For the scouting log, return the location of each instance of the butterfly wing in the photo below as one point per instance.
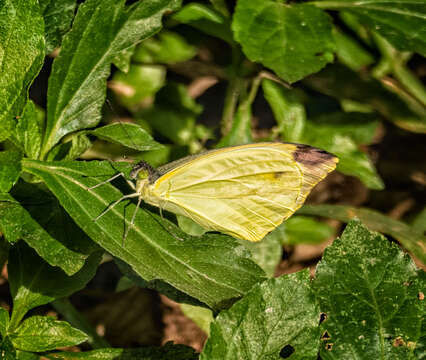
(245, 191)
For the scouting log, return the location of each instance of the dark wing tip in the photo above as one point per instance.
(311, 156)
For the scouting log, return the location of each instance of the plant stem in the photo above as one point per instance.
(75, 318)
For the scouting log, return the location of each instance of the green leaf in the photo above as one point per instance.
(294, 40)
(21, 56)
(10, 169)
(401, 22)
(42, 333)
(58, 244)
(419, 223)
(277, 317)
(7, 350)
(206, 19)
(368, 289)
(168, 351)
(33, 282)
(266, 253)
(305, 230)
(102, 29)
(4, 321)
(288, 110)
(350, 52)
(341, 133)
(411, 239)
(174, 114)
(24, 355)
(130, 135)
(213, 269)
(138, 84)
(367, 91)
(123, 60)
(74, 146)
(201, 316)
(57, 15)
(167, 48)
(28, 129)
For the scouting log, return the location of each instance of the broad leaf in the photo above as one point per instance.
(367, 91)
(58, 245)
(102, 29)
(10, 169)
(341, 134)
(140, 83)
(130, 135)
(400, 21)
(267, 252)
(168, 351)
(28, 130)
(206, 19)
(288, 110)
(33, 282)
(21, 57)
(57, 15)
(294, 40)
(200, 315)
(42, 333)
(166, 48)
(277, 317)
(306, 230)
(4, 321)
(213, 269)
(410, 238)
(368, 289)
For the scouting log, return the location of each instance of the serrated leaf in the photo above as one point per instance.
(280, 313)
(57, 15)
(206, 19)
(401, 22)
(166, 48)
(213, 269)
(368, 290)
(288, 110)
(294, 40)
(411, 239)
(42, 333)
(168, 351)
(102, 29)
(17, 223)
(138, 84)
(33, 282)
(28, 129)
(367, 91)
(130, 135)
(10, 169)
(21, 57)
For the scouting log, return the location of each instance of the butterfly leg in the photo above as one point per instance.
(114, 204)
(132, 221)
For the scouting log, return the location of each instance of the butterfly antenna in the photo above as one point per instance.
(132, 221)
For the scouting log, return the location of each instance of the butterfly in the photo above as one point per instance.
(244, 191)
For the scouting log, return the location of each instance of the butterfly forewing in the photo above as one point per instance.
(245, 191)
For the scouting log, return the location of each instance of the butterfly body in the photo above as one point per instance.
(245, 191)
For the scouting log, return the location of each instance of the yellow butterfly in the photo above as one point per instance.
(245, 191)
